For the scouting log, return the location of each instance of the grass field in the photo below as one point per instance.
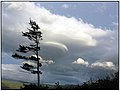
(6, 84)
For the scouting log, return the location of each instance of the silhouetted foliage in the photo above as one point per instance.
(106, 84)
(27, 66)
(58, 86)
(34, 35)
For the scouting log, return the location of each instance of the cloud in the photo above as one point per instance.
(64, 40)
(62, 73)
(42, 61)
(56, 25)
(101, 64)
(16, 73)
(65, 6)
(115, 24)
(108, 65)
(53, 50)
(81, 61)
(60, 45)
(50, 61)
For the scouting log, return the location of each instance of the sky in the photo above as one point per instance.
(80, 40)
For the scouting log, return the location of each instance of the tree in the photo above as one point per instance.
(34, 35)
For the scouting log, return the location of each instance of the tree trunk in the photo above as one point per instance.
(38, 66)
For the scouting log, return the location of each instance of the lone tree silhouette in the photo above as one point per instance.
(34, 35)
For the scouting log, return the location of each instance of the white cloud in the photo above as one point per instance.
(43, 61)
(68, 33)
(50, 23)
(64, 47)
(65, 6)
(115, 23)
(81, 61)
(105, 64)
(108, 65)
(49, 61)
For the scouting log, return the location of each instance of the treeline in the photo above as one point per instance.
(100, 84)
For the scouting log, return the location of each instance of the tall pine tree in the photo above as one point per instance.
(34, 35)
